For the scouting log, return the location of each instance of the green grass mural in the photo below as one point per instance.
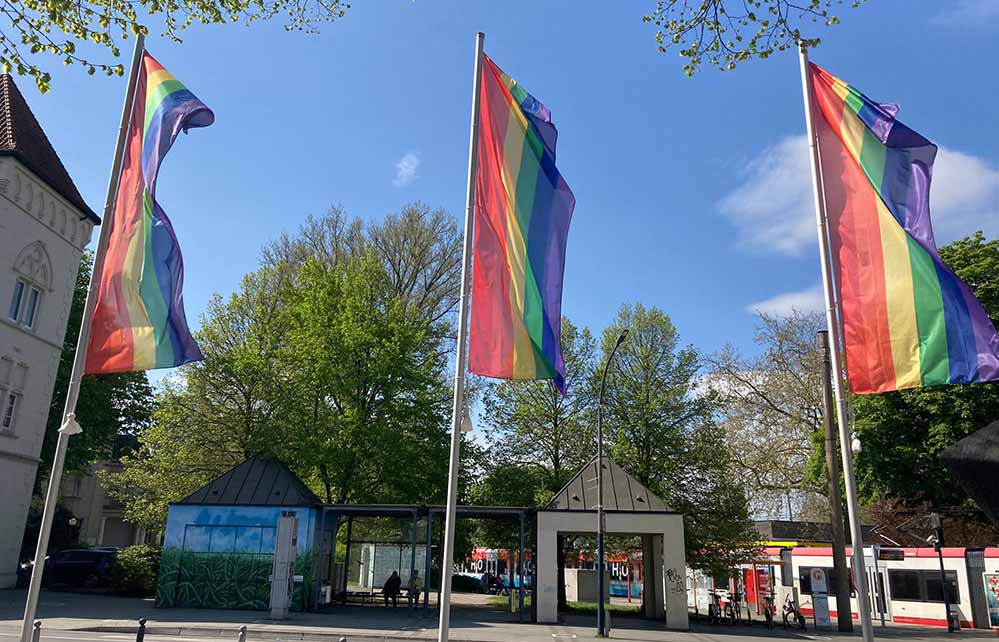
(222, 557)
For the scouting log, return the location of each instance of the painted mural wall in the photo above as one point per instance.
(221, 557)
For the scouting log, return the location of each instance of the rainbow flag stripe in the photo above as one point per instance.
(908, 320)
(139, 321)
(522, 212)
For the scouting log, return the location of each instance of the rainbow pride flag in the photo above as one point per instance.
(908, 320)
(139, 321)
(522, 212)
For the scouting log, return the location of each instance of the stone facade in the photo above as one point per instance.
(99, 516)
(42, 236)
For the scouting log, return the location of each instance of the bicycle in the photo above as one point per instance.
(791, 611)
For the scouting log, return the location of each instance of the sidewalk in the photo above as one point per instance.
(63, 611)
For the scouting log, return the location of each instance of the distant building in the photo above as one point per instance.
(98, 514)
(44, 226)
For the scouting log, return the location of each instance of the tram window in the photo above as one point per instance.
(805, 580)
(933, 592)
(905, 585)
(922, 586)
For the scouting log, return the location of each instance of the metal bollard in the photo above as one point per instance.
(36, 632)
(141, 633)
(242, 633)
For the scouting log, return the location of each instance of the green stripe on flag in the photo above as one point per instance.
(934, 360)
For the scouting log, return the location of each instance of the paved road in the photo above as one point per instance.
(69, 617)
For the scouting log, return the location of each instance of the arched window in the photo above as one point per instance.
(33, 278)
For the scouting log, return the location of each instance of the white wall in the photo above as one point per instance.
(41, 239)
(666, 560)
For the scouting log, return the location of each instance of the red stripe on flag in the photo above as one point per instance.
(855, 236)
(111, 342)
(491, 335)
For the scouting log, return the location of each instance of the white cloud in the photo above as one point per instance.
(773, 211)
(967, 13)
(405, 169)
(807, 300)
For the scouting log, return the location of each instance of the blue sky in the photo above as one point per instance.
(692, 193)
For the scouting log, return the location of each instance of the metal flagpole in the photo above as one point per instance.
(459, 364)
(852, 504)
(69, 425)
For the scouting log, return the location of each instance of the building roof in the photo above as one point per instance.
(622, 492)
(974, 462)
(258, 481)
(23, 138)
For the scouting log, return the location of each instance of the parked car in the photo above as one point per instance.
(86, 567)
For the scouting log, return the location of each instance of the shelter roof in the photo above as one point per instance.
(974, 461)
(622, 492)
(258, 481)
(23, 138)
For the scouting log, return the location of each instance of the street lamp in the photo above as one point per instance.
(601, 616)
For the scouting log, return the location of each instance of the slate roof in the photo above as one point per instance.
(622, 492)
(23, 138)
(258, 481)
(974, 461)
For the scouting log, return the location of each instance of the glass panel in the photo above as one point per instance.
(197, 538)
(248, 539)
(15, 301)
(8, 412)
(933, 592)
(29, 313)
(805, 579)
(223, 539)
(266, 540)
(905, 585)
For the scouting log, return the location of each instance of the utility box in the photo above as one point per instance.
(283, 572)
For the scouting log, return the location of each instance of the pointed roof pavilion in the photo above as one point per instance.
(258, 481)
(622, 492)
(23, 138)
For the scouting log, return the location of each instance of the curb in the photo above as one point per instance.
(266, 634)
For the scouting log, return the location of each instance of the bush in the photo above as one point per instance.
(135, 571)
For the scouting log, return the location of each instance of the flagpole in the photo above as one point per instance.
(69, 426)
(832, 321)
(457, 408)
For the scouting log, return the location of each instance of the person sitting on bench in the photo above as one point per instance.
(391, 588)
(415, 586)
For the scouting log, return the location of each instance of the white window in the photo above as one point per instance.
(9, 411)
(24, 302)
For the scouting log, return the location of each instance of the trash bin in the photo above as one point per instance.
(955, 619)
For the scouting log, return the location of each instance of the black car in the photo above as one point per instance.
(86, 567)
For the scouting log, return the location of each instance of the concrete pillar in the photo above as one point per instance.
(674, 563)
(546, 572)
(652, 593)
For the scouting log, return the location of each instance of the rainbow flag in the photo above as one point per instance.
(908, 320)
(522, 212)
(139, 321)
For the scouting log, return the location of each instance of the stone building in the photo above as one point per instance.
(44, 226)
(98, 515)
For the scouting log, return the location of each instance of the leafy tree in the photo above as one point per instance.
(770, 408)
(60, 28)
(662, 431)
(529, 424)
(727, 32)
(109, 405)
(324, 358)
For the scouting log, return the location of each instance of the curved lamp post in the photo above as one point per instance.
(601, 615)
